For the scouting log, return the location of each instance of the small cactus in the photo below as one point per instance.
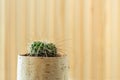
(42, 49)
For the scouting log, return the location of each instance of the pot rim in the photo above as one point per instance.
(23, 55)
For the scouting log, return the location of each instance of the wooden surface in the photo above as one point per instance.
(87, 30)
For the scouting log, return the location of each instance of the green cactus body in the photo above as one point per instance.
(42, 49)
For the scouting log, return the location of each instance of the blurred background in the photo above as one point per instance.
(87, 30)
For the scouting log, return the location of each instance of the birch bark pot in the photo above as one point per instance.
(42, 68)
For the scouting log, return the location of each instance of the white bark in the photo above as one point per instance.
(42, 68)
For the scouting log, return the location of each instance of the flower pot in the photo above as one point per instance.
(42, 68)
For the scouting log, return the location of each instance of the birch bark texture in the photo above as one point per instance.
(42, 68)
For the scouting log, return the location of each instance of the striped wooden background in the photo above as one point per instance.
(87, 30)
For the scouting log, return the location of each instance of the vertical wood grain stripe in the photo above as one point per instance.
(59, 26)
(42, 26)
(50, 19)
(7, 42)
(21, 26)
(12, 39)
(98, 20)
(31, 19)
(107, 41)
(115, 34)
(2, 39)
(78, 43)
(40, 19)
(87, 29)
(59, 20)
(69, 32)
(118, 38)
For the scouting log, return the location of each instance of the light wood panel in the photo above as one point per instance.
(107, 41)
(7, 40)
(21, 25)
(12, 40)
(98, 33)
(41, 19)
(2, 40)
(87, 30)
(69, 32)
(115, 40)
(87, 39)
(78, 37)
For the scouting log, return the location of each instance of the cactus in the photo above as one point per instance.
(42, 49)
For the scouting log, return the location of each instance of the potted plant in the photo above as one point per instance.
(42, 62)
